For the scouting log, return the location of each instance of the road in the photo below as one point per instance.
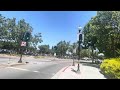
(35, 69)
(43, 68)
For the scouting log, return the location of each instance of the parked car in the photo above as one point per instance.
(98, 61)
(4, 51)
(86, 58)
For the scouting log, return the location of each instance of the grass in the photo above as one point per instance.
(39, 57)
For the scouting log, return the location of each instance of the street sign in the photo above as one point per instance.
(23, 43)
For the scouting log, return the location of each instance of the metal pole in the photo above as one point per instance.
(78, 70)
(9, 47)
(73, 61)
(92, 55)
(20, 61)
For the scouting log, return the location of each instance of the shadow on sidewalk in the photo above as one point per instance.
(90, 64)
(73, 70)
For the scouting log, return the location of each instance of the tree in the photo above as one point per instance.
(11, 33)
(61, 48)
(105, 26)
(35, 40)
(53, 50)
(44, 49)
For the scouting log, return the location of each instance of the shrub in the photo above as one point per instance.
(111, 68)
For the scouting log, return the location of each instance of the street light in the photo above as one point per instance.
(79, 43)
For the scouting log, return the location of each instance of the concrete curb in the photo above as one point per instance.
(10, 65)
(16, 64)
(56, 76)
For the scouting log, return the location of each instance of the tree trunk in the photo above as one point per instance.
(92, 56)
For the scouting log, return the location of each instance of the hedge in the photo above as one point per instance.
(111, 68)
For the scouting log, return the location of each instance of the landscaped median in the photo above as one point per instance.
(11, 64)
(16, 64)
(111, 68)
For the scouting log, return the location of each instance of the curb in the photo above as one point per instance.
(66, 68)
(14, 64)
(56, 76)
(17, 64)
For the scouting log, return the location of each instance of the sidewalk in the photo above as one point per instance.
(86, 72)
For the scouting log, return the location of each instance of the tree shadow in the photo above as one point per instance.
(90, 64)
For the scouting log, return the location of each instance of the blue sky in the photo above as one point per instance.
(54, 25)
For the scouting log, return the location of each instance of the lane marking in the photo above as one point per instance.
(29, 70)
(19, 68)
(35, 71)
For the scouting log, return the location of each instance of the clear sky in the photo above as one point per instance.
(53, 25)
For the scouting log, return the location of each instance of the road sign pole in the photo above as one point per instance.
(25, 38)
(21, 51)
(20, 61)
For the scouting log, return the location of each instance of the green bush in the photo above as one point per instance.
(111, 68)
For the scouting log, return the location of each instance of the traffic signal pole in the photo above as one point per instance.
(25, 38)
(73, 61)
(21, 51)
(79, 42)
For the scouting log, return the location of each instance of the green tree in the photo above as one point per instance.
(44, 49)
(11, 33)
(105, 27)
(61, 48)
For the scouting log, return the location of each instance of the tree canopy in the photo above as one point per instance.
(104, 29)
(12, 31)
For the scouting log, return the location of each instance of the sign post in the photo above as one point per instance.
(24, 40)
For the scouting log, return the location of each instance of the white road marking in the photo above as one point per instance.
(22, 69)
(19, 68)
(28, 70)
(35, 71)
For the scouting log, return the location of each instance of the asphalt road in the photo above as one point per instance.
(35, 69)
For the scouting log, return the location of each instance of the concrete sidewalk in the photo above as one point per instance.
(86, 72)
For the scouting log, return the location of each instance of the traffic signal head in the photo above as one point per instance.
(26, 36)
(80, 38)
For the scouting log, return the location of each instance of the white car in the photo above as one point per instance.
(85, 58)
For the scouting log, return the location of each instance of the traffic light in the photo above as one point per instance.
(26, 36)
(80, 38)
